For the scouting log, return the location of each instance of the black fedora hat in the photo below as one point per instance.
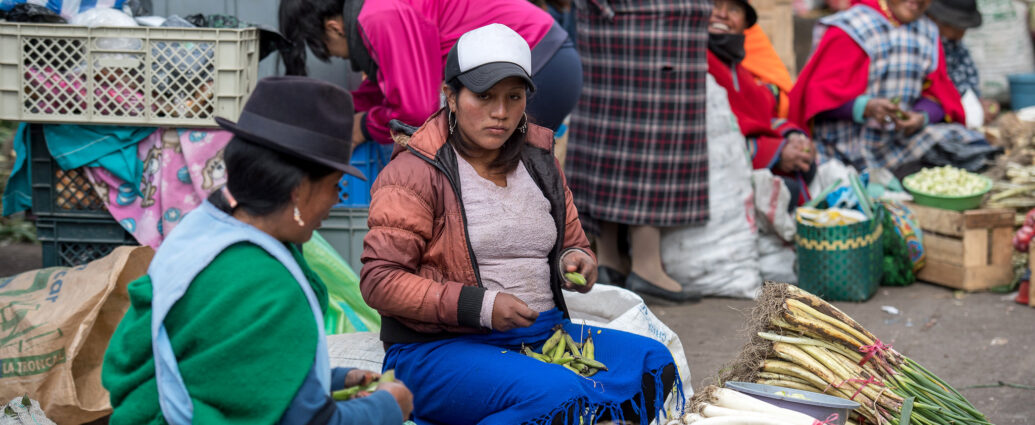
(301, 117)
(956, 13)
(750, 15)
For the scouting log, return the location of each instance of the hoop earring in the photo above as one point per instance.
(298, 217)
(524, 124)
(451, 119)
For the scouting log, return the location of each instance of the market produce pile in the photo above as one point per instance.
(804, 343)
(360, 390)
(721, 406)
(829, 217)
(946, 181)
(1014, 172)
(1017, 191)
(561, 349)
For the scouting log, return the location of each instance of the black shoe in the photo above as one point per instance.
(640, 285)
(610, 276)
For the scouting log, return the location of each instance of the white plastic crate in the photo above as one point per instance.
(179, 77)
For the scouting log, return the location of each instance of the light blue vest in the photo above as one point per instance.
(190, 248)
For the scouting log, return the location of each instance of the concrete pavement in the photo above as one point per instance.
(966, 339)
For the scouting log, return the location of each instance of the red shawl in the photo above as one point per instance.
(838, 72)
(755, 108)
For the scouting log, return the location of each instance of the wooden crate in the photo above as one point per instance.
(1031, 288)
(968, 250)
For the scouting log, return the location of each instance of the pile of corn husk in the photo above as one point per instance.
(1014, 171)
(804, 343)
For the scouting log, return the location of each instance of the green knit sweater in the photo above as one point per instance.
(243, 335)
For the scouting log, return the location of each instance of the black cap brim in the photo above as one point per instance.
(953, 17)
(287, 150)
(482, 78)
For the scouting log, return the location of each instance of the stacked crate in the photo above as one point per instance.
(71, 220)
(139, 76)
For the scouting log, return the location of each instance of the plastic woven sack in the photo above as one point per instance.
(841, 263)
(24, 411)
(906, 225)
(896, 264)
(346, 312)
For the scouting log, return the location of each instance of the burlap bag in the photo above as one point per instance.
(55, 324)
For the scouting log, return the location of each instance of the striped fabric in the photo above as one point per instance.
(901, 58)
(637, 153)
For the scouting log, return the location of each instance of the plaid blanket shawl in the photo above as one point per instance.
(901, 58)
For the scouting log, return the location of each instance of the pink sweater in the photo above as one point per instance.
(410, 39)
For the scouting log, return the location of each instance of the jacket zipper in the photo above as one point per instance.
(463, 212)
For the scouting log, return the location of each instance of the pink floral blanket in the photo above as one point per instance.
(181, 167)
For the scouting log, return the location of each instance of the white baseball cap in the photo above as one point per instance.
(484, 56)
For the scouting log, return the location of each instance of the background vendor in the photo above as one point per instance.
(401, 47)
(227, 325)
(773, 143)
(877, 95)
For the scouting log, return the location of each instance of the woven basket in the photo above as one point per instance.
(841, 263)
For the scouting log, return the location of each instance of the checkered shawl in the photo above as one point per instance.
(637, 153)
(961, 68)
(901, 58)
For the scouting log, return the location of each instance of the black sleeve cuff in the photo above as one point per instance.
(363, 127)
(469, 307)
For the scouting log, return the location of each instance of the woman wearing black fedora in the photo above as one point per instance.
(472, 229)
(227, 326)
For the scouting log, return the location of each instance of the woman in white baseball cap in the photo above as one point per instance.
(472, 234)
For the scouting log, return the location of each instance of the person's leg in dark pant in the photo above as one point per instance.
(558, 86)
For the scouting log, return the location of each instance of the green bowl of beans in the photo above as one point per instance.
(947, 188)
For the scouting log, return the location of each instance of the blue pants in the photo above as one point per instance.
(484, 379)
(558, 86)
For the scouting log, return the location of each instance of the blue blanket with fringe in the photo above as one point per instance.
(484, 379)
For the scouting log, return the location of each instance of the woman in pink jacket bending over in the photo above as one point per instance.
(401, 46)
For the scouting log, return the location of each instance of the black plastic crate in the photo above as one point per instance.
(77, 241)
(56, 192)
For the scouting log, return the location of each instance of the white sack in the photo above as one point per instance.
(829, 172)
(772, 197)
(974, 110)
(721, 257)
(616, 308)
(1000, 46)
(776, 259)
